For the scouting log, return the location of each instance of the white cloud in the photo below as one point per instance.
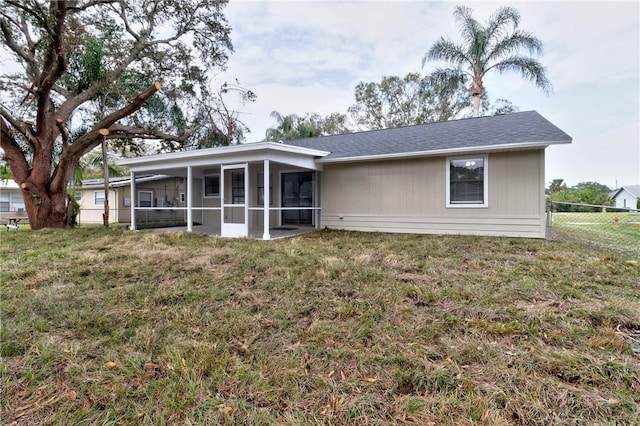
(308, 56)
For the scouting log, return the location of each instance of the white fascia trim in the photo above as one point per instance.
(8, 184)
(127, 182)
(441, 152)
(221, 151)
(303, 161)
(621, 190)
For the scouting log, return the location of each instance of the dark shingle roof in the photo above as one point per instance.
(526, 127)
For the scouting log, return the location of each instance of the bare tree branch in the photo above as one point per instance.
(63, 131)
(75, 9)
(40, 18)
(55, 62)
(119, 131)
(125, 21)
(22, 127)
(71, 154)
(11, 43)
(70, 104)
(61, 90)
(84, 143)
(53, 68)
(13, 152)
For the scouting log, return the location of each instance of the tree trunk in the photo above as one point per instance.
(476, 92)
(476, 105)
(45, 209)
(105, 174)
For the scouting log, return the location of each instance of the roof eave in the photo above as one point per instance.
(625, 189)
(442, 152)
(125, 182)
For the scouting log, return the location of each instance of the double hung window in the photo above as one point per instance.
(98, 198)
(467, 182)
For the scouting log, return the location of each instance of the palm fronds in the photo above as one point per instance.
(496, 45)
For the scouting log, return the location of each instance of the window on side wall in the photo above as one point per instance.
(467, 181)
(145, 199)
(212, 186)
(5, 202)
(98, 198)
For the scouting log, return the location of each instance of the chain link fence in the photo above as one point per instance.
(600, 227)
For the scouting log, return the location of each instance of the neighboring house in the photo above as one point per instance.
(165, 192)
(11, 201)
(626, 197)
(481, 176)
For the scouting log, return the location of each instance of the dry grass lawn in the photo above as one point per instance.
(114, 327)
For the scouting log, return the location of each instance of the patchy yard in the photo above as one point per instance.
(116, 327)
(613, 231)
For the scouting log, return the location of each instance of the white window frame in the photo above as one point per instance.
(95, 197)
(5, 199)
(204, 186)
(145, 191)
(485, 203)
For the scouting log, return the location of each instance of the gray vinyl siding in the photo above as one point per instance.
(409, 196)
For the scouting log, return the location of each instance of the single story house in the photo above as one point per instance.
(480, 176)
(162, 191)
(626, 197)
(11, 201)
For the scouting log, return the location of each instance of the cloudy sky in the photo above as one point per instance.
(308, 56)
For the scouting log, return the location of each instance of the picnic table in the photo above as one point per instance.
(12, 222)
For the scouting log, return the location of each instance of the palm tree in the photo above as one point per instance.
(293, 127)
(494, 46)
(285, 127)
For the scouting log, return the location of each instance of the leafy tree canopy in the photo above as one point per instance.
(415, 99)
(293, 126)
(402, 101)
(584, 193)
(556, 185)
(392, 102)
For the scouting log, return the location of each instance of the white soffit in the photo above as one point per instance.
(251, 152)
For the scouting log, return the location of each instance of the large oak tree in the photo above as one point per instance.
(87, 65)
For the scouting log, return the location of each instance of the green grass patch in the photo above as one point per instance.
(612, 231)
(109, 326)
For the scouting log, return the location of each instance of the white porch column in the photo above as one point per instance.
(189, 199)
(222, 195)
(316, 198)
(265, 189)
(247, 197)
(133, 202)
